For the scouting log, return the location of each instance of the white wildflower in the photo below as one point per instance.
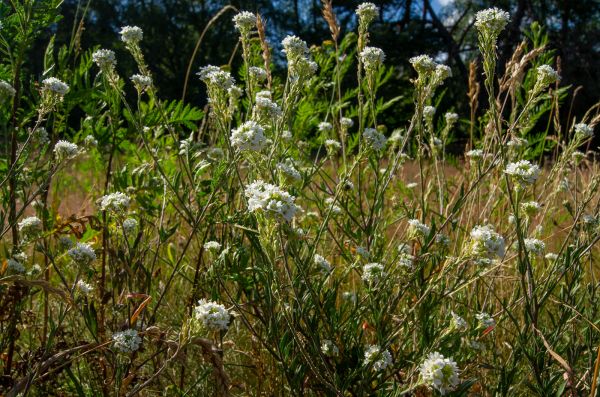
(374, 138)
(417, 228)
(485, 242)
(491, 21)
(130, 225)
(523, 171)
(346, 122)
(440, 373)
(15, 266)
(373, 273)
(30, 226)
(212, 246)
(325, 126)
(84, 287)
(212, 315)
(141, 82)
(271, 200)
(534, 246)
(105, 59)
(583, 130)
(114, 202)
(288, 168)
(378, 359)
(367, 12)
(131, 34)
(485, 320)
(6, 91)
(65, 150)
(259, 74)
(332, 146)
(531, 208)
(294, 47)
(322, 263)
(126, 341)
(55, 86)
(249, 136)
(423, 64)
(458, 322)
(372, 58)
(329, 349)
(82, 254)
(244, 21)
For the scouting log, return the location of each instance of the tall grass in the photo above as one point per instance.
(283, 241)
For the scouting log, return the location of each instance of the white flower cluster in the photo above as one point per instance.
(84, 287)
(265, 106)
(418, 228)
(372, 58)
(546, 75)
(271, 200)
(373, 273)
(244, 21)
(406, 260)
(105, 59)
(55, 86)
(491, 21)
(523, 172)
(249, 136)
(428, 112)
(130, 225)
(332, 146)
(30, 226)
(457, 322)
(378, 359)
(288, 168)
(451, 118)
(256, 73)
(423, 64)
(212, 246)
(214, 77)
(325, 126)
(374, 138)
(583, 130)
(40, 136)
(485, 242)
(114, 202)
(82, 254)
(65, 150)
(141, 82)
(212, 316)
(440, 373)
(294, 47)
(131, 35)
(346, 122)
(6, 91)
(367, 13)
(15, 266)
(485, 320)
(90, 142)
(322, 263)
(127, 341)
(534, 246)
(475, 154)
(531, 208)
(329, 349)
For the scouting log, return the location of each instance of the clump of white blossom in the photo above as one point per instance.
(322, 263)
(214, 246)
(523, 172)
(332, 146)
(90, 142)
(457, 322)
(440, 373)
(417, 228)
(325, 126)
(15, 266)
(531, 208)
(249, 136)
(329, 349)
(141, 82)
(583, 130)
(373, 273)
(346, 122)
(127, 341)
(245, 22)
(30, 226)
(288, 168)
(423, 64)
(82, 254)
(474, 154)
(546, 76)
(64, 150)
(265, 106)
(485, 242)
(55, 86)
(213, 316)
(6, 91)
(485, 320)
(270, 200)
(534, 246)
(105, 59)
(367, 12)
(130, 225)
(374, 139)
(372, 58)
(257, 73)
(428, 112)
(131, 35)
(491, 22)
(216, 78)
(84, 287)
(117, 202)
(377, 358)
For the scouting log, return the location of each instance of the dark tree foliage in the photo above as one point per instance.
(405, 28)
